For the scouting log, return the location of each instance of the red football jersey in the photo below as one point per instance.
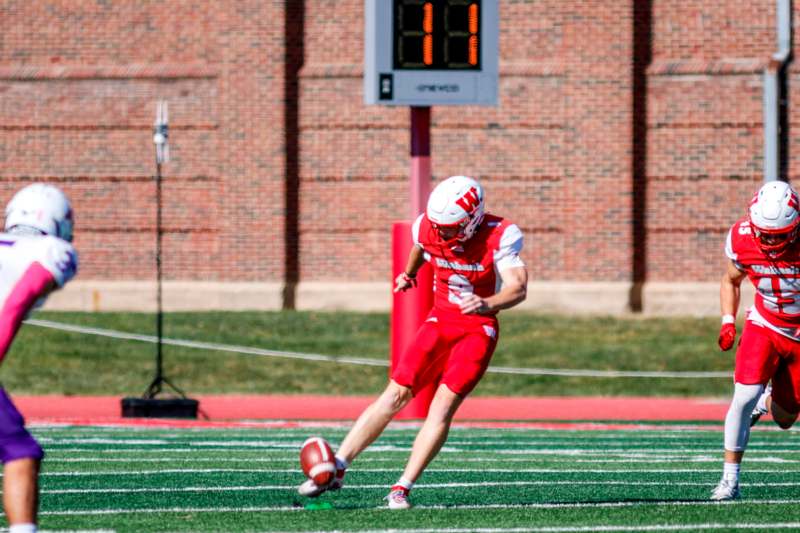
(777, 281)
(473, 266)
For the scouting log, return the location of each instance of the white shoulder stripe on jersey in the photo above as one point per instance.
(512, 236)
(507, 255)
(729, 246)
(415, 230)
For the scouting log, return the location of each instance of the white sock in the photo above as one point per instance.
(406, 484)
(22, 528)
(341, 464)
(730, 472)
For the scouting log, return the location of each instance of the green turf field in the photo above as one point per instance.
(47, 361)
(500, 480)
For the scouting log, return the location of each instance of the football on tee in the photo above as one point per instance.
(316, 459)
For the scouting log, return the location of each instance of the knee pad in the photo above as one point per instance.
(737, 421)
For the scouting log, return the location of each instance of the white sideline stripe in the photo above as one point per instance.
(632, 459)
(576, 529)
(442, 470)
(656, 453)
(241, 488)
(52, 440)
(455, 445)
(680, 430)
(363, 360)
(579, 505)
(73, 530)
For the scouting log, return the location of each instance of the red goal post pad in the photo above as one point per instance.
(409, 310)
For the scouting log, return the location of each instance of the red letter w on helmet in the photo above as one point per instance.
(469, 201)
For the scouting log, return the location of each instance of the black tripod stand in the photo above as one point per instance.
(149, 405)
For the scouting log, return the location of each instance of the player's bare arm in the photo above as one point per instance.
(407, 279)
(514, 291)
(730, 289)
(729, 293)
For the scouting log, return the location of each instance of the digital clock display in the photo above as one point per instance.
(437, 34)
(431, 52)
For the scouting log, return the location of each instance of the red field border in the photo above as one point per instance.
(223, 409)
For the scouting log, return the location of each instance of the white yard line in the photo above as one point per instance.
(657, 455)
(193, 447)
(73, 530)
(478, 485)
(685, 433)
(578, 529)
(781, 471)
(633, 459)
(578, 505)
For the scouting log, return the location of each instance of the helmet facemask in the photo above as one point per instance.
(775, 243)
(451, 234)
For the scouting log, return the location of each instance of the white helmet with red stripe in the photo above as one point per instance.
(775, 217)
(40, 208)
(456, 208)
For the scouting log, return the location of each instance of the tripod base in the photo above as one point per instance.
(159, 408)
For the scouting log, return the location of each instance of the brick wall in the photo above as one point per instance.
(628, 136)
(79, 81)
(705, 138)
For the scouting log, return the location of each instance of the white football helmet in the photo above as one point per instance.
(40, 208)
(457, 204)
(775, 217)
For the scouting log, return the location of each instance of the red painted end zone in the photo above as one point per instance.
(327, 408)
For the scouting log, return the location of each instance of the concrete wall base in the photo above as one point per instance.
(600, 298)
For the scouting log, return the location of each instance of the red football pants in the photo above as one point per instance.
(453, 352)
(764, 354)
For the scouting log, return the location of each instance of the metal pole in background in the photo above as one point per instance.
(149, 406)
(160, 139)
(420, 159)
(776, 98)
(410, 309)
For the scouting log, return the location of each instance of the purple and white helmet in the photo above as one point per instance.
(41, 208)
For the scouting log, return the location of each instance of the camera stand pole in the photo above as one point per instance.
(149, 405)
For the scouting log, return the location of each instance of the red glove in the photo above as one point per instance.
(727, 334)
(403, 282)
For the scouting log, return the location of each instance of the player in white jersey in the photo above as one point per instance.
(36, 257)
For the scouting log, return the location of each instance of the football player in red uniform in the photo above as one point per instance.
(763, 247)
(477, 272)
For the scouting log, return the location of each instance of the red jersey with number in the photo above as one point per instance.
(472, 266)
(777, 281)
